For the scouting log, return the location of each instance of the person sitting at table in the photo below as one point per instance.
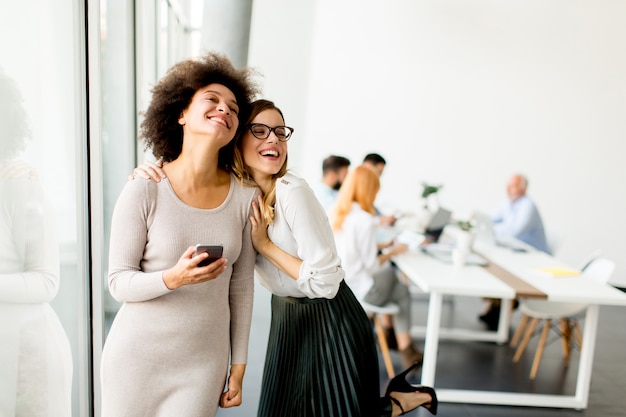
(368, 272)
(378, 163)
(334, 171)
(517, 218)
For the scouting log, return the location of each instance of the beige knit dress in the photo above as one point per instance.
(167, 353)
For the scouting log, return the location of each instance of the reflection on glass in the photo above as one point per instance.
(35, 354)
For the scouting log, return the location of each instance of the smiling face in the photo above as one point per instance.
(264, 157)
(213, 112)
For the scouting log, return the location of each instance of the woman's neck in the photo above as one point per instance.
(265, 183)
(199, 168)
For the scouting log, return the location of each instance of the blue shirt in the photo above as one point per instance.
(326, 195)
(520, 219)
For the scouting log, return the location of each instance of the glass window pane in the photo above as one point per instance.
(44, 341)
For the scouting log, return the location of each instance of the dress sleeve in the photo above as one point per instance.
(321, 272)
(242, 293)
(129, 231)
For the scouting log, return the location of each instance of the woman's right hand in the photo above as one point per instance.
(391, 251)
(399, 248)
(260, 239)
(187, 272)
(149, 171)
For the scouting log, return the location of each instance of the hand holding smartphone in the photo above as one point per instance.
(215, 252)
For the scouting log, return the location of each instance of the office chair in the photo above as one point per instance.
(567, 314)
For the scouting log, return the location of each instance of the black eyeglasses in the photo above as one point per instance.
(261, 131)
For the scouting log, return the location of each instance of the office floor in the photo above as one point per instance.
(484, 365)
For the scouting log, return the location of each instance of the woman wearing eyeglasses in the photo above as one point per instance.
(321, 358)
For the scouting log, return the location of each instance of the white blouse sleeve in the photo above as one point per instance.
(367, 242)
(321, 272)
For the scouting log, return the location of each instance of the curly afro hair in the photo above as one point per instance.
(160, 129)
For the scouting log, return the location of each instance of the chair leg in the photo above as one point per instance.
(520, 329)
(542, 343)
(527, 335)
(579, 336)
(384, 348)
(566, 337)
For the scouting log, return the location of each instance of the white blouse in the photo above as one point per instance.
(357, 247)
(301, 228)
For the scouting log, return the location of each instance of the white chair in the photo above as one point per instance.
(590, 258)
(567, 314)
(373, 311)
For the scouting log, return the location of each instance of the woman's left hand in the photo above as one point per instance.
(260, 239)
(233, 396)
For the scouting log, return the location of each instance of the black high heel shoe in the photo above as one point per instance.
(399, 384)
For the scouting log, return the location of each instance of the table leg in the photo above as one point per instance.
(590, 330)
(505, 320)
(431, 343)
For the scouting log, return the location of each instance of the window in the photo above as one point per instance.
(44, 306)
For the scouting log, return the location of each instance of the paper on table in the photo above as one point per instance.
(559, 272)
(412, 239)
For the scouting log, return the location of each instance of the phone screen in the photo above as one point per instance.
(215, 252)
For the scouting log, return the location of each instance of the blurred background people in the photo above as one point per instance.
(376, 162)
(518, 216)
(369, 273)
(334, 171)
(515, 218)
(35, 353)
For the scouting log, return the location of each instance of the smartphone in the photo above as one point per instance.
(215, 252)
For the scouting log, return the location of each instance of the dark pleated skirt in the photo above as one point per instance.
(321, 360)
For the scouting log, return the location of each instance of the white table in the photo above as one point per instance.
(439, 279)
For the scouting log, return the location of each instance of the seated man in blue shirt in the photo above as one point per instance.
(334, 171)
(518, 217)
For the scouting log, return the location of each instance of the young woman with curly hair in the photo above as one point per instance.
(168, 350)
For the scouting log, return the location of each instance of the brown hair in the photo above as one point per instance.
(239, 166)
(361, 186)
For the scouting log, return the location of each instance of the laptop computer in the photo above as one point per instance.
(443, 250)
(484, 227)
(436, 224)
(443, 253)
(485, 232)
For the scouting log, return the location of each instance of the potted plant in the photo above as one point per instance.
(465, 235)
(465, 225)
(429, 192)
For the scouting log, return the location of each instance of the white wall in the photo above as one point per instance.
(462, 93)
